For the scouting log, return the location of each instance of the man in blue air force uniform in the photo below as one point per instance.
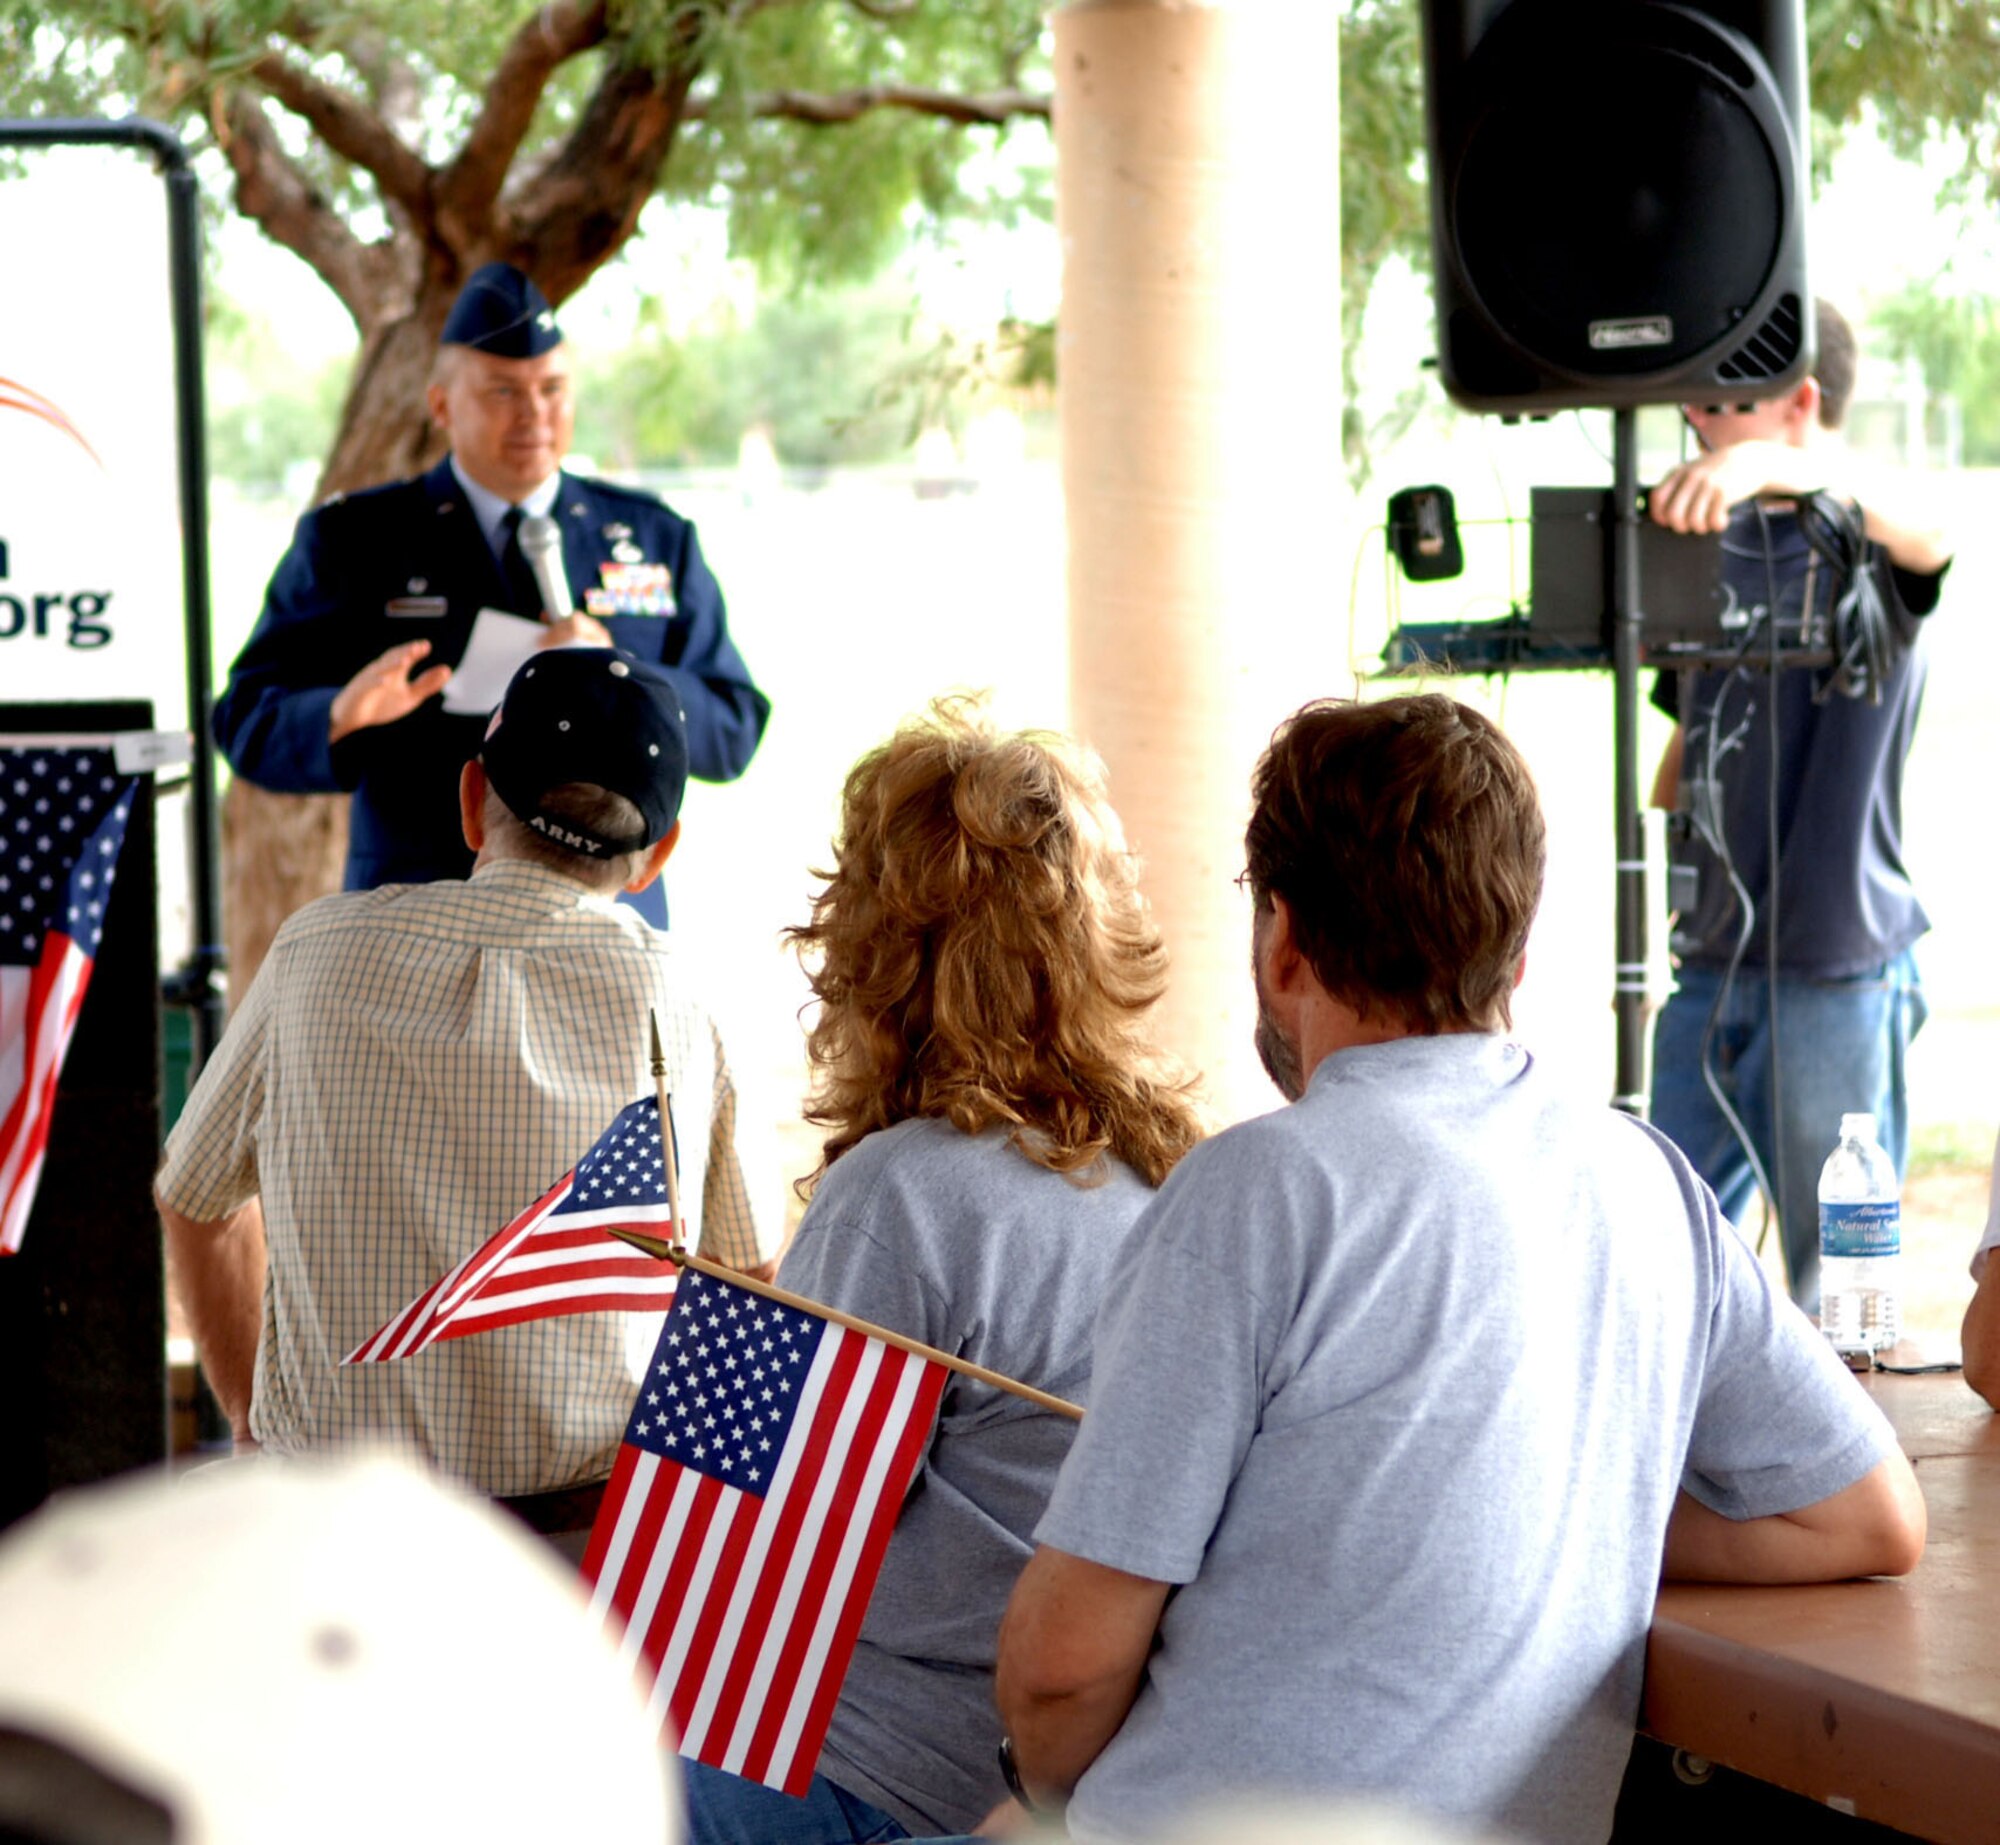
(373, 605)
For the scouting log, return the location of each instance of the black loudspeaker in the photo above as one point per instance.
(1618, 196)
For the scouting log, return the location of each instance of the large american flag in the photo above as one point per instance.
(746, 1519)
(62, 819)
(556, 1256)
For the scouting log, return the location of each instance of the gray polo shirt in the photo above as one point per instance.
(1399, 1388)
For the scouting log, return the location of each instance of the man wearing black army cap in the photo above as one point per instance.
(372, 607)
(412, 1066)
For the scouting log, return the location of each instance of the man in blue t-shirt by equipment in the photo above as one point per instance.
(1797, 992)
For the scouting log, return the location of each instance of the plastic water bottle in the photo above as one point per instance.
(1860, 1241)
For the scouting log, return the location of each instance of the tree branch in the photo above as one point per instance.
(351, 129)
(469, 186)
(992, 110)
(275, 195)
(395, 86)
(580, 206)
(397, 89)
(585, 203)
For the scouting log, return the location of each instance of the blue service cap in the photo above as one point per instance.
(501, 311)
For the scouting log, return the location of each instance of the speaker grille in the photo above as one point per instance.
(1583, 199)
(1617, 199)
(1772, 350)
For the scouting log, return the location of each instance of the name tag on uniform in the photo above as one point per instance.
(422, 608)
(631, 589)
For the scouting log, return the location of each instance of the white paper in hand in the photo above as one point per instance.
(499, 644)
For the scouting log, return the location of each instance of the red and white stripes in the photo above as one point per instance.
(746, 1609)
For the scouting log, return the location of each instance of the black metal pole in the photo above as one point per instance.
(197, 983)
(1627, 624)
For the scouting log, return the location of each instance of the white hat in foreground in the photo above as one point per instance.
(325, 1651)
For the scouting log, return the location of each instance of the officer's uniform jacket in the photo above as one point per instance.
(408, 561)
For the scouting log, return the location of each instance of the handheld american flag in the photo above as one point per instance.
(747, 1516)
(555, 1257)
(62, 819)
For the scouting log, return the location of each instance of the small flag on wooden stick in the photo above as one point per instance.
(558, 1255)
(752, 1502)
(747, 1517)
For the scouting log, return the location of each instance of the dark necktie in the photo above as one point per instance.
(523, 596)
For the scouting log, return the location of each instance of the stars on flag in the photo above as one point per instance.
(57, 855)
(626, 1166)
(726, 1386)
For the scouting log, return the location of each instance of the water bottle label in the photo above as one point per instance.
(1874, 1229)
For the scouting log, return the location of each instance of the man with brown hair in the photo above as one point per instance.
(1412, 1385)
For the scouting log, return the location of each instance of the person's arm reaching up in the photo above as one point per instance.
(1875, 1527)
(1901, 513)
(1073, 1649)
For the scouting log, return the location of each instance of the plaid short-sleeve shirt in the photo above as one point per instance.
(412, 1066)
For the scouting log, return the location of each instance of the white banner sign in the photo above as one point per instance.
(90, 558)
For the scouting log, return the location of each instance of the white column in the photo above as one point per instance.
(1197, 199)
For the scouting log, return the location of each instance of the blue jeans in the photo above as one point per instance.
(725, 1809)
(1842, 1045)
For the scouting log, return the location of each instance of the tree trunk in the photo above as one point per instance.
(280, 851)
(385, 432)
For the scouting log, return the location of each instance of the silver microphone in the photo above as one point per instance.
(541, 545)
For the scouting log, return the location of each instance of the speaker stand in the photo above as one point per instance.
(1627, 623)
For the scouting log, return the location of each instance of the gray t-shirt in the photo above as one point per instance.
(963, 1242)
(1400, 1385)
